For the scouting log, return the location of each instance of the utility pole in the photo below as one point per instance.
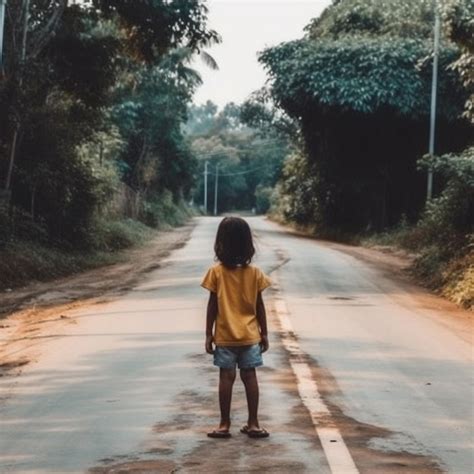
(3, 4)
(26, 19)
(206, 164)
(216, 185)
(434, 88)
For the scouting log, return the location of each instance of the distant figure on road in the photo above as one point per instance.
(236, 321)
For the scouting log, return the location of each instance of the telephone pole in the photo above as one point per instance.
(26, 19)
(206, 164)
(216, 185)
(434, 88)
(3, 4)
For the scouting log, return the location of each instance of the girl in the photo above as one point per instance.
(236, 321)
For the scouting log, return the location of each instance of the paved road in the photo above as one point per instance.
(360, 376)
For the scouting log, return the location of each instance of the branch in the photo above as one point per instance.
(40, 39)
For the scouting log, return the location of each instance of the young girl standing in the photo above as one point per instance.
(236, 321)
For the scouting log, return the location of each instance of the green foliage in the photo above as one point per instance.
(260, 113)
(457, 167)
(22, 261)
(443, 239)
(449, 218)
(201, 119)
(263, 196)
(101, 97)
(114, 235)
(149, 116)
(155, 27)
(246, 159)
(359, 87)
(163, 212)
(359, 74)
(298, 199)
(374, 18)
(458, 15)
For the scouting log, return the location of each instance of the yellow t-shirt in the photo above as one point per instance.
(237, 290)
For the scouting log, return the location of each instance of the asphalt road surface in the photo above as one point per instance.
(361, 376)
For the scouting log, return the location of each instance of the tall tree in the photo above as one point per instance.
(73, 72)
(359, 84)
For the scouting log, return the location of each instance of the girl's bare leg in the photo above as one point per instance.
(249, 378)
(226, 383)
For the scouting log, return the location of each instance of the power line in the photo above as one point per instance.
(228, 154)
(240, 172)
(264, 143)
(243, 172)
(218, 175)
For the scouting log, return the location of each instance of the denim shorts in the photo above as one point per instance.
(245, 357)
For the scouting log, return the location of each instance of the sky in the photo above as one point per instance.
(247, 27)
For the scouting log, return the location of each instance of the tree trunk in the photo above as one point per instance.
(26, 17)
(33, 202)
(12, 158)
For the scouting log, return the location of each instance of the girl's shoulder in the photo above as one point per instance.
(254, 268)
(218, 268)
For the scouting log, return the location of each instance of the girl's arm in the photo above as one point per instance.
(262, 322)
(210, 320)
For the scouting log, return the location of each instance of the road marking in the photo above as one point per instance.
(337, 454)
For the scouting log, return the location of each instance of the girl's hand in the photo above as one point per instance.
(264, 343)
(209, 341)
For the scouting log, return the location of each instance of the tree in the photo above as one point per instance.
(457, 15)
(90, 75)
(247, 161)
(358, 85)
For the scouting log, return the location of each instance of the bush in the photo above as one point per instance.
(110, 236)
(263, 196)
(162, 211)
(448, 220)
(298, 196)
(26, 261)
(443, 238)
(22, 261)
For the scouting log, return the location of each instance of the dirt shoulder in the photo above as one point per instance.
(37, 308)
(117, 277)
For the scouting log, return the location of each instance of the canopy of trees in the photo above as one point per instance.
(94, 93)
(249, 162)
(358, 84)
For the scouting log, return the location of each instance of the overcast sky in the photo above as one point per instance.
(246, 27)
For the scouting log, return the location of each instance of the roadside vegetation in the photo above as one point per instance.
(93, 98)
(442, 239)
(249, 162)
(357, 89)
(100, 142)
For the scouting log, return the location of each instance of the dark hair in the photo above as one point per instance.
(234, 243)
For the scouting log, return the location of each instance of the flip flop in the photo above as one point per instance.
(219, 434)
(260, 433)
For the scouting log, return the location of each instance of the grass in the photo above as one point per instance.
(163, 213)
(23, 261)
(28, 257)
(446, 268)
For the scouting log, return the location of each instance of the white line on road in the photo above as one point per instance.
(338, 456)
